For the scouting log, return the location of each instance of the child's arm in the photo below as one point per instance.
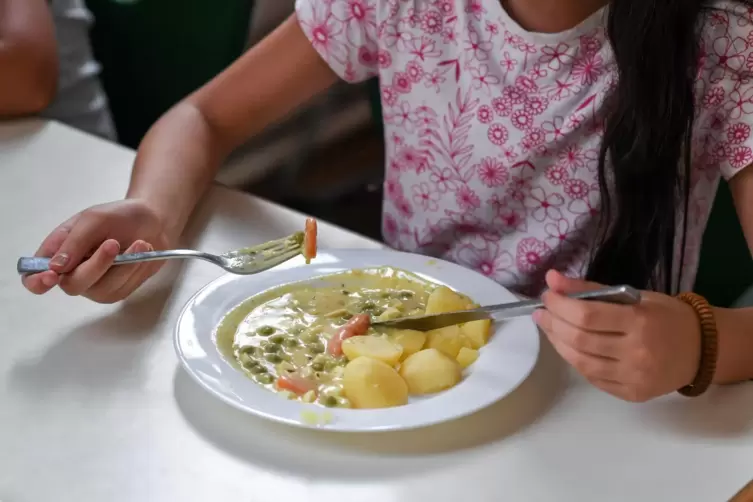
(180, 155)
(28, 57)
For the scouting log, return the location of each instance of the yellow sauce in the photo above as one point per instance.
(286, 329)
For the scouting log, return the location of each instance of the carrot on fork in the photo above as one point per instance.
(309, 240)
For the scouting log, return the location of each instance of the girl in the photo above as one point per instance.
(522, 137)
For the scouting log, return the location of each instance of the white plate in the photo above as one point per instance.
(502, 365)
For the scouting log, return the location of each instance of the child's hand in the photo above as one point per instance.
(635, 352)
(84, 247)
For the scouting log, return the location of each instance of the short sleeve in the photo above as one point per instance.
(724, 90)
(344, 33)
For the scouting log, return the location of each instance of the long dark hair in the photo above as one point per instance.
(645, 161)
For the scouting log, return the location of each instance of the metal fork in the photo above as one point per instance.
(243, 261)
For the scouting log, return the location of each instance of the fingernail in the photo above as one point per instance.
(149, 247)
(59, 260)
(50, 280)
(113, 246)
(537, 316)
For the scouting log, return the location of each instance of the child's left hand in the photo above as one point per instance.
(634, 352)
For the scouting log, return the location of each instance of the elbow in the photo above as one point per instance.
(30, 80)
(41, 87)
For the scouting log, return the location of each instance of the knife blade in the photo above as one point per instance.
(623, 295)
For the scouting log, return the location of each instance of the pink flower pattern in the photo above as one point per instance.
(493, 135)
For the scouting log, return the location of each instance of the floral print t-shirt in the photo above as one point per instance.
(492, 132)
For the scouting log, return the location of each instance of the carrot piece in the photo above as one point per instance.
(358, 325)
(295, 384)
(309, 240)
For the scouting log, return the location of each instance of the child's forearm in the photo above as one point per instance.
(735, 328)
(180, 155)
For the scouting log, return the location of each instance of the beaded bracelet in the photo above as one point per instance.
(709, 345)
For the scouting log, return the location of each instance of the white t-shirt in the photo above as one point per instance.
(80, 101)
(492, 132)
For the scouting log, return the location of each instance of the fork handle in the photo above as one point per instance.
(36, 264)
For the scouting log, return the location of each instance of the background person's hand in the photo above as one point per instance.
(634, 352)
(84, 247)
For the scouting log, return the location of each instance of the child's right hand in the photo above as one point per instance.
(84, 247)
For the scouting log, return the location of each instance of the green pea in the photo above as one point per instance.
(315, 348)
(345, 292)
(248, 349)
(406, 294)
(368, 306)
(246, 359)
(343, 402)
(290, 342)
(317, 367)
(309, 338)
(272, 348)
(265, 378)
(257, 369)
(331, 364)
(277, 339)
(265, 331)
(330, 401)
(377, 312)
(273, 358)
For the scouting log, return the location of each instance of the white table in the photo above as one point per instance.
(94, 408)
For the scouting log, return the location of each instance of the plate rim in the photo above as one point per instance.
(334, 426)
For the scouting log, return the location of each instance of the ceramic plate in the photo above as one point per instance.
(502, 365)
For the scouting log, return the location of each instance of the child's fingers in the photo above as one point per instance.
(90, 271)
(86, 234)
(107, 288)
(52, 242)
(41, 283)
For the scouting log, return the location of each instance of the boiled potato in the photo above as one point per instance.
(370, 383)
(477, 332)
(466, 357)
(443, 299)
(429, 371)
(448, 340)
(374, 347)
(410, 340)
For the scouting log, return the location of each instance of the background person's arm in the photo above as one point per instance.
(180, 155)
(28, 57)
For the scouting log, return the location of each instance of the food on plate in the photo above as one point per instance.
(375, 347)
(371, 383)
(466, 357)
(448, 340)
(357, 325)
(429, 371)
(314, 341)
(409, 339)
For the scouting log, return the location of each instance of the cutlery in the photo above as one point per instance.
(624, 295)
(245, 261)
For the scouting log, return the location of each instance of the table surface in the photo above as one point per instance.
(94, 406)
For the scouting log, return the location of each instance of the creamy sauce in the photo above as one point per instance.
(286, 329)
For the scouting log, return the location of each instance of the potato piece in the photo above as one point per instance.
(447, 340)
(410, 340)
(370, 383)
(429, 371)
(443, 299)
(477, 332)
(466, 357)
(375, 347)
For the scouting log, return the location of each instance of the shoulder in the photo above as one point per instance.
(726, 42)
